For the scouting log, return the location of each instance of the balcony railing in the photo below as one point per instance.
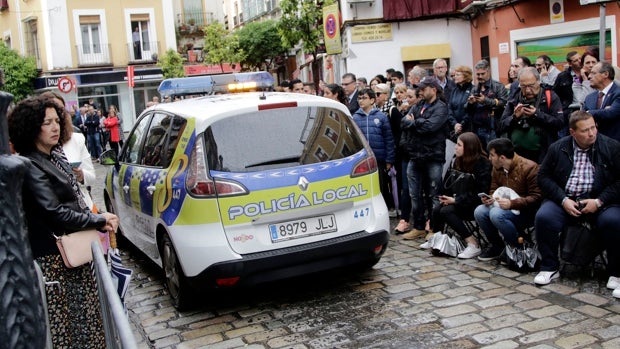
(95, 54)
(190, 21)
(146, 53)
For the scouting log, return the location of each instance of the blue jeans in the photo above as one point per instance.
(405, 198)
(550, 221)
(494, 221)
(424, 180)
(94, 145)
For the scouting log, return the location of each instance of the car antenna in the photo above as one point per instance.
(262, 97)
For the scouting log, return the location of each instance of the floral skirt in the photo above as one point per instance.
(73, 305)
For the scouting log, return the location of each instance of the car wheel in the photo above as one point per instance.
(176, 282)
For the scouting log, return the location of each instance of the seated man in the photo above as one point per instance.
(503, 215)
(583, 165)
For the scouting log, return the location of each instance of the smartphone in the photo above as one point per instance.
(75, 164)
(484, 195)
(526, 105)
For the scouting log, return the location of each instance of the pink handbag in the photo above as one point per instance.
(75, 248)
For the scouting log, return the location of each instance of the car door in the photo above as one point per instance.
(128, 172)
(149, 181)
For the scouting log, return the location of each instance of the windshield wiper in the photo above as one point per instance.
(275, 161)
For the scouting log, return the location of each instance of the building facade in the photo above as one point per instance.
(84, 49)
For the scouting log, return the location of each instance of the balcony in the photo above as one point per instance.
(93, 55)
(192, 23)
(148, 53)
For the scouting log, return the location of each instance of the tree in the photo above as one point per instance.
(302, 21)
(172, 65)
(261, 43)
(19, 73)
(220, 46)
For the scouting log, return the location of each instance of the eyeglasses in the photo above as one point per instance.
(378, 93)
(347, 83)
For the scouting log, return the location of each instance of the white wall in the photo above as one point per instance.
(56, 31)
(371, 58)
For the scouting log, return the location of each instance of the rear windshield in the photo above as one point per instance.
(279, 138)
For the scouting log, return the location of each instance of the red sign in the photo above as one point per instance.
(65, 85)
(130, 80)
(201, 69)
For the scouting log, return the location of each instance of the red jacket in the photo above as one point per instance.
(111, 123)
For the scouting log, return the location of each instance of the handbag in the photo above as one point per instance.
(459, 182)
(75, 248)
(579, 242)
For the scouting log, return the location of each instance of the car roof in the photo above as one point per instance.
(210, 108)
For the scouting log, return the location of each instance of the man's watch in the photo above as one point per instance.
(599, 203)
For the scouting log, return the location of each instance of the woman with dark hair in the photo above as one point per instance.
(456, 206)
(53, 205)
(335, 92)
(581, 83)
(379, 79)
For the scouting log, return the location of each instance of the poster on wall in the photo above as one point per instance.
(557, 48)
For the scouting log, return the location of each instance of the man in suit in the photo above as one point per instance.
(350, 89)
(604, 104)
(563, 87)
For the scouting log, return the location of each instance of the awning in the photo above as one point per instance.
(425, 52)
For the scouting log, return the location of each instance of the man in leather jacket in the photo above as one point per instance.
(426, 128)
(486, 104)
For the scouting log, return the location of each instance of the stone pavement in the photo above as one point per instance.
(410, 299)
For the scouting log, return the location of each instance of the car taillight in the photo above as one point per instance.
(365, 166)
(198, 182)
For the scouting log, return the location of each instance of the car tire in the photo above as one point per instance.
(176, 281)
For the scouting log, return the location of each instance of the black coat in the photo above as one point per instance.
(425, 136)
(558, 164)
(468, 201)
(51, 206)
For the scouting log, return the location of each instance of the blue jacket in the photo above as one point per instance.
(376, 127)
(457, 101)
(608, 117)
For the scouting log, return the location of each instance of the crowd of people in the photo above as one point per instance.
(101, 129)
(529, 158)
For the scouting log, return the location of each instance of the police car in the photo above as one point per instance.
(240, 189)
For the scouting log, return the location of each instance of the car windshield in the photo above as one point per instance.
(278, 138)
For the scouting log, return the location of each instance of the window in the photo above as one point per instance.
(162, 140)
(141, 40)
(31, 39)
(134, 141)
(91, 39)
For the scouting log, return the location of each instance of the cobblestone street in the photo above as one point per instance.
(409, 300)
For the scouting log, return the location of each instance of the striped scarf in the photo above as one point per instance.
(59, 159)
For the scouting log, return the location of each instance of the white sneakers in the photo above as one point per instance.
(545, 277)
(470, 251)
(613, 283)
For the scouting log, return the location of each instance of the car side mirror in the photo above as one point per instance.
(108, 157)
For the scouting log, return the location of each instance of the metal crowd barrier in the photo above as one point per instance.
(118, 333)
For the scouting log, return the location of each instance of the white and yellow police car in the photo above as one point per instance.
(240, 189)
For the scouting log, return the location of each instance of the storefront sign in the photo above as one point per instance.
(201, 69)
(371, 32)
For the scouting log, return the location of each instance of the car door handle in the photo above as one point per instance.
(126, 189)
(150, 189)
